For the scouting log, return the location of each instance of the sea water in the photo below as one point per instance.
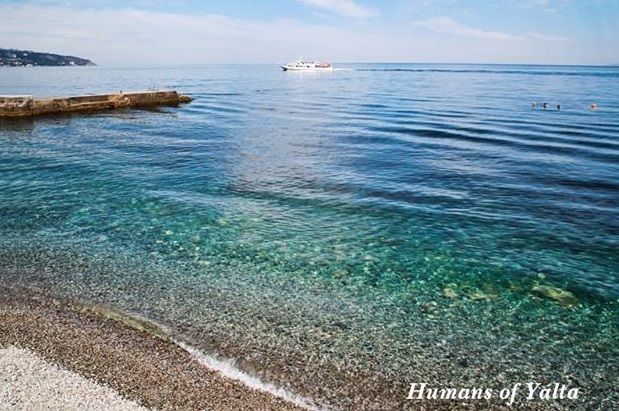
(341, 234)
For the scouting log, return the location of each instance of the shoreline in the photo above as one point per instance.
(134, 357)
(456, 366)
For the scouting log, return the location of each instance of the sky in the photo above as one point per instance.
(173, 32)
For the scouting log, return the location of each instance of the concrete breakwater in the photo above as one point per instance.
(26, 106)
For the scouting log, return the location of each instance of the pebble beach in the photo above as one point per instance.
(55, 355)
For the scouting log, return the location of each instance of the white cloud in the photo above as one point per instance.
(447, 25)
(346, 8)
(544, 5)
(546, 37)
(135, 37)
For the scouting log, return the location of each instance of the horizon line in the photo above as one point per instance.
(157, 65)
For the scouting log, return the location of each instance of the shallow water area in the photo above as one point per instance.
(341, 234)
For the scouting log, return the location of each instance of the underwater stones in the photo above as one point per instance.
(489, 293)
(463, 362)
(323, 334)
(479, 295)
(450, 291)
(562, 297)
(429, 308)
(340, 273)
(515, 286)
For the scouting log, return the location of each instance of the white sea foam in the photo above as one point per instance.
(224, 367)
(229, 370)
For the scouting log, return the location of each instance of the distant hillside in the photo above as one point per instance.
(11, 57)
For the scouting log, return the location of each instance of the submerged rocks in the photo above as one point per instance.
(479, 295)
(450, 291)
(453, 291)
(563, 297)
(429, 307)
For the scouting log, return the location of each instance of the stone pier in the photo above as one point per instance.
(27, 106)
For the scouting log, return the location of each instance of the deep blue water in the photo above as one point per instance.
(295, 222)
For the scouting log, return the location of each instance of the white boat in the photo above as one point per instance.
(302, 65)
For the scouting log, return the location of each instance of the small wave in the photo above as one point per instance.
(614, 73)
(224, 367)
(227, 369)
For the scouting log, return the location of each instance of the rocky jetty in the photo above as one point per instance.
(27, 106)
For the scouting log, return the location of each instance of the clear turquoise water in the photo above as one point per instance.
(308, 225)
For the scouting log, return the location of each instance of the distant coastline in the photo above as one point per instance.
(28, 58)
